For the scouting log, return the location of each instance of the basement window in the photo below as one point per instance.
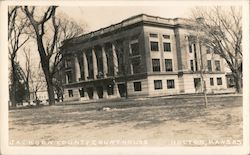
(170, 84)
(158, 84)
(70, 92)
(137, 86)
(219, 81)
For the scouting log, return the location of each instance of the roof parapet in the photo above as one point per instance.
(130, 21)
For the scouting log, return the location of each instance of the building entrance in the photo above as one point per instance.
(100, 91)
(122, 89)
(90, 92)
(197, 85)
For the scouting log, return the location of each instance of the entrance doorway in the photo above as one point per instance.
(100, 91)
(122, 89)
(90, 92)
(197, 85)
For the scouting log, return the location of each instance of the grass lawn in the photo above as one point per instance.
(137, 122)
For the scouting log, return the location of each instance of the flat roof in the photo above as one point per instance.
(129, 21)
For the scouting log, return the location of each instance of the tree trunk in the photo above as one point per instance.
(51, 94)
(45, 67)
(13, 84)
(238, 81)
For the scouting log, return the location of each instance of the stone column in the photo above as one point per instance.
(95, 69)
(86, 95)
(105, 63)
(95, 95)
(66, 79)
(115, 60)
(77, 69)
(116, 91)
(85, 65)
(105, 92)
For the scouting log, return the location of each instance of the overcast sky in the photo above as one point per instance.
(102, 16)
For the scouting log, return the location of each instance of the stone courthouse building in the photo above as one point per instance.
(141, 56)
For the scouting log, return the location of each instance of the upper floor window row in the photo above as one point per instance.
(192, 48)
(155, 35)
(166, 47)
(217, 65)
(166, 36)
(154, 46)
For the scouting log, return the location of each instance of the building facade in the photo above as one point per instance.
(140, 56)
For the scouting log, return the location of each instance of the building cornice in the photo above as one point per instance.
(130, 22)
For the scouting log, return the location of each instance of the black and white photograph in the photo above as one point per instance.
(105, 75)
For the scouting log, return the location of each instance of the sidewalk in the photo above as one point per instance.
(186, 99)
(194, 95)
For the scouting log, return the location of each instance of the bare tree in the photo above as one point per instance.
(36, 82)
(45, 53)
(50, 32)
(223, 34)
(16, 38)
(27, 69)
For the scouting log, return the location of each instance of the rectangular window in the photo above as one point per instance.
(81, 92)
(194, 47)
(70, 92)
(211, 81)
(191, 41)
(209, 65)
(154, 46)
(195, 59)
(170, 84)
(156, 65)
(190, 48)
(135, 48)
(137, 86)
(219, 81)
(192, 65)
(69, 77)
(167, 47)
(217, 65)
(158, 84)
(153, 35)
(197, 83)
(168, 65)
(166, 36)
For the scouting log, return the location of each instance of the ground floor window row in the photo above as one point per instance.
(219, 81)
(137, 87)
(197, 82)
(90, 91)
(157, 85)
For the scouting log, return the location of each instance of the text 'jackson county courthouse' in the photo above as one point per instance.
(141, 56)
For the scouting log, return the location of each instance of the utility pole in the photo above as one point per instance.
(203, 81)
